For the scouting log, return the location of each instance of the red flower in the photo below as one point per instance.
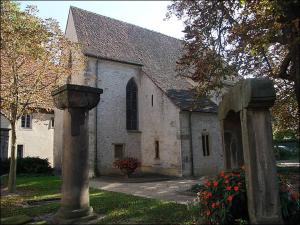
(208, 194)
(228, 188)
(127, 165)
(239, 183)
(236, 188)
(216, 183)
(205, 195)
(226, 181)
(208, 213)
(207, 183)
(230, 197)
(215, 204)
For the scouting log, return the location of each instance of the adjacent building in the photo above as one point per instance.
(34, 136)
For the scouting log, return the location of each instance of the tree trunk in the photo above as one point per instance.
(297, 80)
(13, 161)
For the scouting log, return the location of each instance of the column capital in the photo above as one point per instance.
(76, 96)
(248, 93)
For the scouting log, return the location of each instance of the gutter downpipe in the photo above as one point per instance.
(191, 143)
(96, 172)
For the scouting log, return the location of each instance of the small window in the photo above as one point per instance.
(205, 144)
(119, 150)
(20, 151)
(26, 121)
(157, 149)
(152, 100)
(51, 123)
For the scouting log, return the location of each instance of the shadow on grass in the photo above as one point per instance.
(123, 208)
(117, 207)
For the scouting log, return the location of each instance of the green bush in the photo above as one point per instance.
(290, 203)
(223, 200)
(4, 179)
(28, 165)
(285, 154)
(196, 188)
(4, 166)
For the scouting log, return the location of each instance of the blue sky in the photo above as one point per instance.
(147, 14)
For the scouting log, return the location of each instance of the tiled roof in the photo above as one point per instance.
(188, 100)
(116, 40)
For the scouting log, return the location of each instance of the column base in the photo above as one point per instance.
(268, 220)
(79, 216)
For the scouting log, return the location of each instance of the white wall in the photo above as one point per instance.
(111, 112)
(159, 122)
(204, 165)
(201, 122)
(37, 140)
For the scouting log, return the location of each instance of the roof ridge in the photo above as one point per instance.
(120, 21)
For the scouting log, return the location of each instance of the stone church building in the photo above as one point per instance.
(146, 111)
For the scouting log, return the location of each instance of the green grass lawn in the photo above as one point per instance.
(117, 207)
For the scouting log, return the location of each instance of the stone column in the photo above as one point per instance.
(260, 167)
(76, 101)
(251, 100)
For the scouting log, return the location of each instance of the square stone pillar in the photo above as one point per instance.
(76, 101)
(250, 100)
(260, 167)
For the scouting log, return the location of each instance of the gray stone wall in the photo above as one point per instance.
(111, 112)
(159, 122)
(185, 143)
(200, 123)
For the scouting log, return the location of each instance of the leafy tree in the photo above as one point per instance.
(228, 40)
(35, 58)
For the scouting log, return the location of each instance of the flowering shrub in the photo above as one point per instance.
(290, 203)
(223, 200)
(127, 165)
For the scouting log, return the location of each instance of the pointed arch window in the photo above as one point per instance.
(131, 105)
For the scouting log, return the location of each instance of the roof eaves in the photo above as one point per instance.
(110, 59)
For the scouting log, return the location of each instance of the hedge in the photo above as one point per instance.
(27, 165)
